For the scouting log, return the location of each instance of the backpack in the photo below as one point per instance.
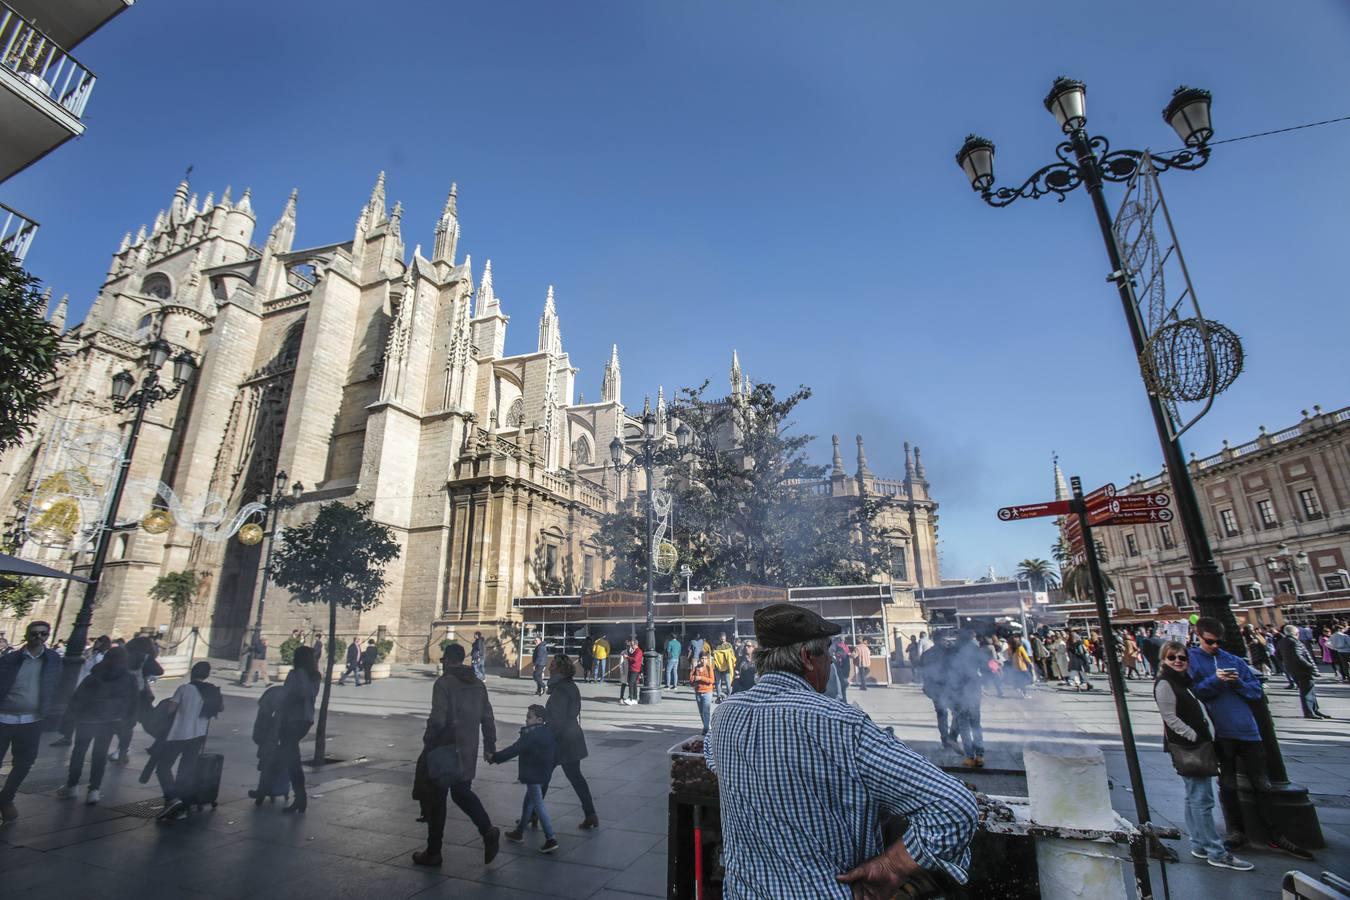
(269, 708)
(212, 702)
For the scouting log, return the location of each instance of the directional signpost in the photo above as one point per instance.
(1033, 510)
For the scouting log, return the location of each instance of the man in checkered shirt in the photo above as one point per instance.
(805, 780)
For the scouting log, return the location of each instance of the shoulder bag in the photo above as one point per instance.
(1200, 761)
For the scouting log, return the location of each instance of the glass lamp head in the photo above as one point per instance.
(158, 352)
(1067, 100)
(976, 159)
(122, 383)
(616, 451)
(1188, 114)
(184, 364)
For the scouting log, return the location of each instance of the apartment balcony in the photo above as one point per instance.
(16, 231)
(43, 92)
(68, 22)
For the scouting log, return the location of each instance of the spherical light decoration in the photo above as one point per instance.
(157, 521)
(250, 534)
(1191, 360)
(666, 557)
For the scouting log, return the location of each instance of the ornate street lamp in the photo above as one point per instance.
(278, 500)
(124, 395)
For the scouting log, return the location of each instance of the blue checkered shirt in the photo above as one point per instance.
(804, 781)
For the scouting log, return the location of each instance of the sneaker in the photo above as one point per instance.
(1229, 861)
(8, 811)
(515, 834)
(65, 792)
(171, 810)
(969, 762)
(115, 756)
(1199, 854)
(492, 842)
(979, 761)
(549, 846)
(1287, 846)
(94, 797)
(62, 742)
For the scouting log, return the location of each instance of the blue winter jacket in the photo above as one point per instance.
(1226, 702)
(50, 684)
(538, 752)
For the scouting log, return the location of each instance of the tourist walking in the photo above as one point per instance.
(1256, 650)
(1129, 655)
(539, 663)
(862, 657)
(30, 679)
(478, 656)
(724, 662)
(805, 781)
(942, 681)
(1019, 665)
(93, 657)
(1227, 687)
(631, 669)
(564, 720)
(1040, 656)
(673, 650)
(369, 657)
(142, 666)
(702, 679)
(839, 658)
(1340, 646)
(1188, 740)
(537, 751)
(460, 709)
(353, 661)
(1299, 665)
(964, 671)
(744, 679)
(293, 718)
(318, 647)
(256, 667)
(194, 705)
(102, 704)
(1059, 657)
(1078, 663)
(600, 652)
(913, 653)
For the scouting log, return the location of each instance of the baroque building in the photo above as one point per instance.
(365, 375)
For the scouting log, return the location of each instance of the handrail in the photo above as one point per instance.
(41, 62)
(16, 231)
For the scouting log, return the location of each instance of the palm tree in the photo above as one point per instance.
(1039, 572)
(1077, 582)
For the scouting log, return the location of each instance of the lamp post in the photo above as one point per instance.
(1089, 161)
(125, 395)
(650, 446)
(278, 501)
(1290, 564)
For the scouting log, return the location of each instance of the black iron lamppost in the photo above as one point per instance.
(1090, 161)
(276, 502)
(650, 446)
(125, 395)
(1290, 564)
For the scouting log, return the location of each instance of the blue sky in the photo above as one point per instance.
(776, 177)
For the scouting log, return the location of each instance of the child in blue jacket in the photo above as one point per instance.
(537, 752)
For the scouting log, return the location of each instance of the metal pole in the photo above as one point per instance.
(79, 634)
(1295, 811)
(651, 691)
(1141, 874)
(272, 508)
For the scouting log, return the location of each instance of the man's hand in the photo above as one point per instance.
(1227, 675)
(882, 876)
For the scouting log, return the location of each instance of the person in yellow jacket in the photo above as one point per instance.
(1019, 664)
(724, 663)
(600, 653)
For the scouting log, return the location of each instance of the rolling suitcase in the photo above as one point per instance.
(206, 779)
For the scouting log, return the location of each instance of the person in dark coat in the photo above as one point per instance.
(1299, 665)
(564, 712)
(369, 657)
(353, 663)
(30, 678)
(540, 661)
(459, 710)
(538, 752)
(293, 719)
(142, 666)
(103, 704)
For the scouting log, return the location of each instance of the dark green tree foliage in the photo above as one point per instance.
(18, 596)
(744, 511)
(29, 351)
(178, 589)
(338, 559)
(1039, 572)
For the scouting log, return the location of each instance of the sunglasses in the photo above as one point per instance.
(33, 634)
(1209, 642)
(1175, 658)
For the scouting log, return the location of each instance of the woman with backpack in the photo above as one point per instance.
(289, 722)
(103, 704)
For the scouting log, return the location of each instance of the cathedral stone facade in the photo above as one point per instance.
(365, 377)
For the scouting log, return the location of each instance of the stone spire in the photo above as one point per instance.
(660, 410)
(178, 209)
(59, 314)
(837, 462)
(550, 335)
(862, 459)
(140, 237)
(611, 382)
(487, 300)
(46, 301)
(909, 464)
(373, 212)
(245, 205)
(225, 198)
(126, 243)
(918, 466)
(396, 218)
(447, 232)
(737, 379)
(1061, 486)
(283, 232)
(210, 202)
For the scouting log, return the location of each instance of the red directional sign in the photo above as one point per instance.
(1105, 492)
(1138, 517)
(1033, 510)
(1132, 503)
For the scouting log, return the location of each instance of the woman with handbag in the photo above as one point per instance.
(1190, 742)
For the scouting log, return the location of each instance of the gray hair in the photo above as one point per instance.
(1291, 630)
(788, 658)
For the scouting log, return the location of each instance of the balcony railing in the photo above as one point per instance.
(16, 231)
(38, 60)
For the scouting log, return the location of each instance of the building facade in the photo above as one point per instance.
(1277, 510)
(365, 375)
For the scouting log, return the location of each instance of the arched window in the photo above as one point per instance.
(515, 416)
(581, 452)
(157, 285)
(119, 549)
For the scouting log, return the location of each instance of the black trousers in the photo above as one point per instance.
(434, 807)
(186, 752)
(1251, 756)
(367, 670)
(629, 683)
(578, 781)
(23, 741)
(100, 734)
(285, 757)
(538, 680)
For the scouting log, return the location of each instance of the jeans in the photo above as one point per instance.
(1307, 697)
(354, 670)
(947, 732)
(1252, 756)
(478, 670)
(462, 794)
(722, 683)
(966, 724)
(705, 705)
(23, 739)
(862, 679)
(600, 670)
(100, 734)
(672, 673)
(186, 752)
(538, 680)
(534, 805)
(1200, 817)
(1341, 665)
(578, 781)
